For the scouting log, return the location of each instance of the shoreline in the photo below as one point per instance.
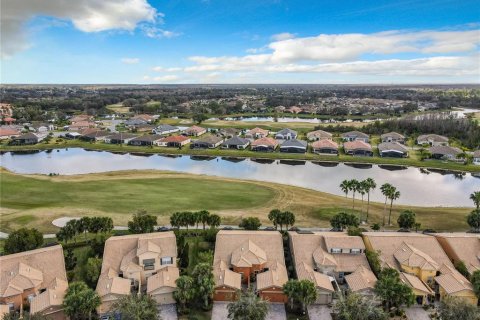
(244, 154)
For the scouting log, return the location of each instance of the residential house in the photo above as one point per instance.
(329, 257)
(279, 109)
(146, 140)
(145, 117)
(319, 135)
(81, 125)
(81, 118)
(325, 146)
(165, 129)
(452, 283)
(26, 138)
(358, 148)
(140, 264)
(294, 146)
(361, 281)
(208, 142)
(461, 247)
(174, 141)
(294, 110)
(252, 258)
(393, 137)
(42, 128)
(286, 134)
(236, 142)
(355, 136)
(444, 152)
(415, 254)
(142, 128)
(256, 133)
(195, 131)
(392, 149)
(8, 133)
(229, 132)
(135, 122)
(119, 138)
(476, 157)
(423, 293)
(36, 280)
(94, 135)
(432, 140)
(264, 144)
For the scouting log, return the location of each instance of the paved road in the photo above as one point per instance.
(276, 312)
(318, 312)
(219, 311)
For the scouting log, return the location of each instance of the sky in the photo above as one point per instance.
(248, 41)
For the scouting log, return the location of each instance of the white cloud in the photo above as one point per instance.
(162, 69)
(85, 15)
(282, 36)
(130, 60)
(167, 78)
(158, 33)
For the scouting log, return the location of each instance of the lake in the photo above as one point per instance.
(417, 186)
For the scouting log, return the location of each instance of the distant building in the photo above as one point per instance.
(355, 136)
(433, 140)
(319, 135)
(393, 137)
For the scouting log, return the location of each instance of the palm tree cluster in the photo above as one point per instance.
(281, 218)
(300, 293)
(75, 227)
(188, 218)
(364, 187)
(391, 193)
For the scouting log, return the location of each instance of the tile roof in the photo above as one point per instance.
(236, 140)
(432, 137)
(395, 146)
(258, 247)
(319, 134)
(8, 132)
(361, 279)
(53, 296)
(410, 256)
(165, 127)
(27, 135)
(265, 141)
(195, 129)
(148, 138)
(392, 134)
(452, 281)
(165, 277)
(44, 267)
(357, 144)
(389, 242)
(121, 136)
(276, 276)
(415, 283)
(212, 139)
(325, 143)
(258, 130)
(466, 246)
(178, 138)
(476, 154)
(445, 150)
(354, 134)
(286, 131)
(343, 242)
(306, 272)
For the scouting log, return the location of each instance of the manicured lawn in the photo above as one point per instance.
(119, 194)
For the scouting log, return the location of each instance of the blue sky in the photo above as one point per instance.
(211, 41)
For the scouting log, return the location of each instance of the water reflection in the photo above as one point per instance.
(417, 187)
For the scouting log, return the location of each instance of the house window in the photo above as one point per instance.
(166, 260)
(149, 264)
(336, 250)
(355, 251)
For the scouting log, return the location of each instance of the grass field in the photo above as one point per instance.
(34, 200)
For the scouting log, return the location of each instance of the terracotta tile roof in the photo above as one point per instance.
(452, 281)
(466, 246)
(410, 256)
(321, 144)
(306, 272)
(258, 130)
(210, 139)
(354, 133)
(395, 146)
(195, 129)
(8, 132)
(392, 134)
(432, 137)
(226, 277)
(258, 247)
(445, 150)
(53, 296)
(148, 138)
(41, 268)
(276, 276)
(322, 257)
(415, 283)
(165, 277)
(266, 141)
(357, 144)
(389, 242)
(361, 279)
(175, 139)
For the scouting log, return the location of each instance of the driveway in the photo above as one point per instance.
(168, 311)
(416, 313)
(319, 312)
(276, 312)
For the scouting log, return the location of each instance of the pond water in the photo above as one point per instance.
(417, 186)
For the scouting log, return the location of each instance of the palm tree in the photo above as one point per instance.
(362, 189)
(203, 217)
(385, 188)
(370, 185)
(475, 197)
(345, 186)
(393, 194)
(354, 186)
